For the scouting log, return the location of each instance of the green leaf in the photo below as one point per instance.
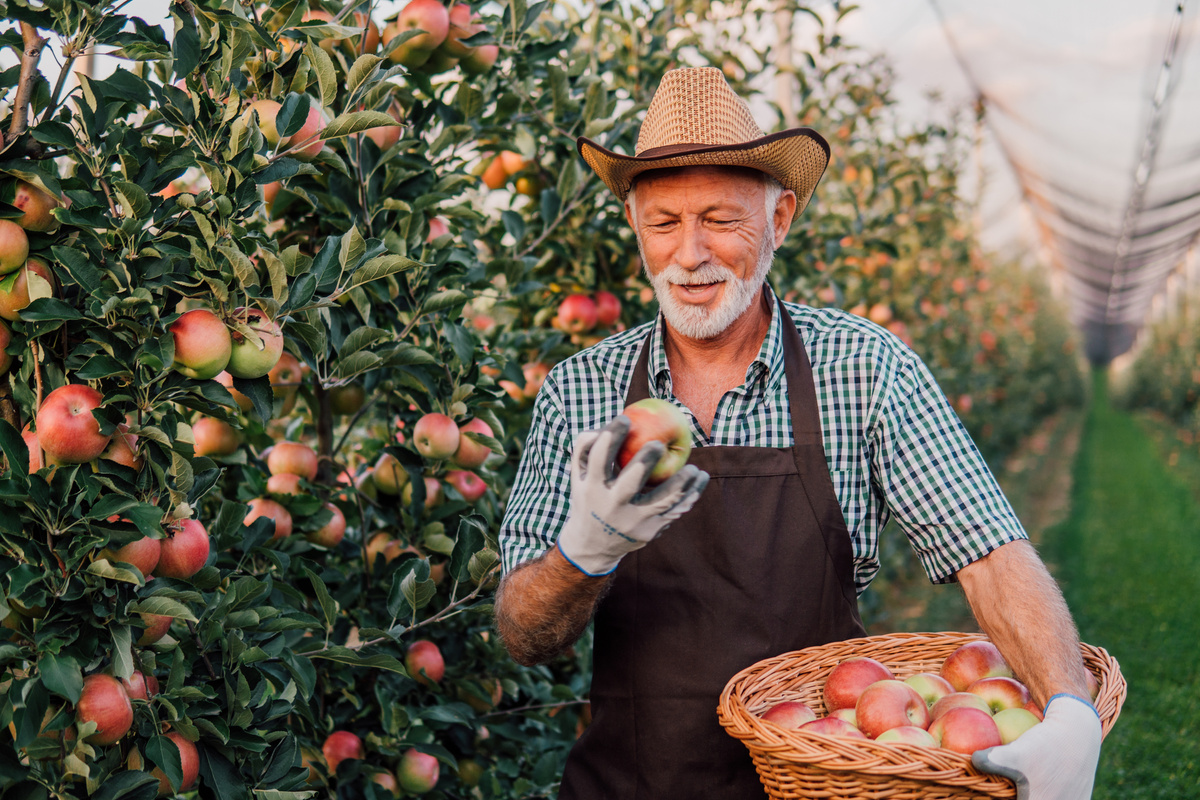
(15, 450)
(62, 675)
(131, 785)
(352, 248)
(79, 266)
(222, 777)
(361, 338)
(106, 569)
(451, 298)
(469, 541)
(362, 69)
(344, 655)
(356, 122)
(381, 267)
(165, 753)
(162, 606)
(329, 606)
(326, 74)
(260, 394)
(133, 199)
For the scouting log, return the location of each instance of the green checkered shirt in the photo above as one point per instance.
(895, 447)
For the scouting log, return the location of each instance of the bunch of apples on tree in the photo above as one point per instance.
(971, 703)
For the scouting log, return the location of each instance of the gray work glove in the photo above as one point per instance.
(610, 516)
(1053, 760)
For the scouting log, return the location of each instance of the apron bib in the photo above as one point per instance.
(760, 566)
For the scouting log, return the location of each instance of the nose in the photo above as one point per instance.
(693, 249)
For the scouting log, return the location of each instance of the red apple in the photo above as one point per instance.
(608, 308)
(267, 111)
(435, 436)
(846, 714)
(140, 686)
(251, 359)
(123, 448)
(438, 227)
(265, 507)
(332, 532)
(931, 687)
(5, 339)
(184, 551)
(14, 246)
(433, 493)
(307, 141)
(156, 627)
(958, 700)
(463, 25)
(142, 553)
(973, 661)
(66, 429)
(1000, 693)
(202, 344)
(790, 714)
(429, 16)
(35, 449)
(104, 701)
(381, 544)
(1033, 708)
(37, 206)
(19, 296)
(340, 746)
(389, 477)
(908, 734)
(418, 772)
(284, 484)
(214, 437)
(360, 44)
(468, 484)
(832, 726)
(424, 662)
(293, 458)
(577, 314)
(535, 375)
(654, 420)
(388, 781)
(965, 730)
(471, 454)
(243, 402)
(1012, 722)
(850, 678)
(480, 60)
(889, 704)
(189, 759)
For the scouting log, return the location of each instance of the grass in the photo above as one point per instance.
(1128, 558)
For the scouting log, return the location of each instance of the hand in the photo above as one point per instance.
(1054, 760)
(610, 517)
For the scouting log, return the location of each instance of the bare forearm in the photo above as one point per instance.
(544, 605)
(1020, 608)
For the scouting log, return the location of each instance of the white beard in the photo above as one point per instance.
(699, 322)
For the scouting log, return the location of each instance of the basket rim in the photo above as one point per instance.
(781, 748)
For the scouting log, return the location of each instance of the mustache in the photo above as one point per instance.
(703, 274)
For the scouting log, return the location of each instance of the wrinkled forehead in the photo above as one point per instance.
(734, 177)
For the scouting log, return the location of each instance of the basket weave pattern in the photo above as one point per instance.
(795, 764)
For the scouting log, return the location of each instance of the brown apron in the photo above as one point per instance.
(760, 566)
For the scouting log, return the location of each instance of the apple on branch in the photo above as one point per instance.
(436, 436)
(104, 702)
(66, 429)
(424, 662)
(418, 772)
(655, 420)
(340, 746)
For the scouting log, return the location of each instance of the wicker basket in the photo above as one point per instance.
(794, 764)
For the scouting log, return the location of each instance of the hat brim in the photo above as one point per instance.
(796, 158)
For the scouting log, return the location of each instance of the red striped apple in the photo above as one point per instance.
(433, 493)
(435, 436)
(889, 704)
(142, 553)
(959, 700)
(655, 420)
(790, 714)
(471, 454)
(850, 678)
(37, 206)
(340, 746)
(577, 313)
(469, 485)
(331, 533)
(156, 627)
(66, 429)
(481, 59)
(104, 701)
(189, 760)
(21, 294)
(14, 246)
(293, 458)
(973, 661)
(284, 484)
(965, 730)
(833, 726)
(908, 734)
(202, 344)
(931, 687)
(140, 686)
(265, 507)
(214, 437)
(1000, 693)
(184, 551)
(424, 662)
(428, 16)
(418, 772)
(608, 308)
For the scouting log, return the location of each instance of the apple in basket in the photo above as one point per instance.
(973, 661)
(931, 687)
(1000, 693)
(790, 714)
(890, 704)
(958, 700)
(846, 714)
(832, 726)
(908, 734)
(850, 678)
(965, 730)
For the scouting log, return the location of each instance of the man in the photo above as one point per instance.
(813, 428)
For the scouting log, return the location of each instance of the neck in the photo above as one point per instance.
(734, 348)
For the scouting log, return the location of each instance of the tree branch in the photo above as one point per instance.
(32, 51)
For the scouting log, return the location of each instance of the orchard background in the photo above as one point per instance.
(412, 219)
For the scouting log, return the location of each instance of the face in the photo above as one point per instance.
(706, 243)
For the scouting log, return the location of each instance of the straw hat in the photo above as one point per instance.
(696, 119)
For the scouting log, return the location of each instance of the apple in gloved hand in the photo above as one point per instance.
(654, 420)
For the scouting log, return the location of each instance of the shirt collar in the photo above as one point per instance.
(768, 362)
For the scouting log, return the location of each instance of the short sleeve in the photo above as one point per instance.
(933, 479)
(538, 504)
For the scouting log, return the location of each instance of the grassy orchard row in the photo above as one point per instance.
(1165, 375)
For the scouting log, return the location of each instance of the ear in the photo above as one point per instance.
(785, 209)
(629, 215)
